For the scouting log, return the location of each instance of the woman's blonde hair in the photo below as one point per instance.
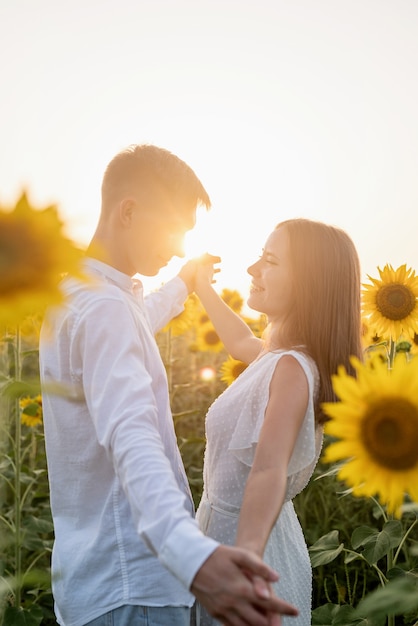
(325, 317)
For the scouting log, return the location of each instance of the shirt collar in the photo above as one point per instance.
(111, 274)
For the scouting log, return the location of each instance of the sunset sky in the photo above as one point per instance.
(284, 108)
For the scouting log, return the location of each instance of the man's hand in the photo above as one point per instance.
(228, 585)
(205, 263)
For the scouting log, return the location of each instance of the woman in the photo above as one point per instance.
(264, 433)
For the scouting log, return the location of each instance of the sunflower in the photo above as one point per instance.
(404, 346)
(233, 299)
(258, 326)
(207, 339)
(31, 410)
(373, 344)
(30, 328)
(413, 338)
(231, 369)
(186, 319)
(376, 424)
(202, 318)
(369, 336)
(392, 302)
(33, 256)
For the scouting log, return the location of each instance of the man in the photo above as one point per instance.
(127, 548)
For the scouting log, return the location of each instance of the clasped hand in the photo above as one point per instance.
(199, 271)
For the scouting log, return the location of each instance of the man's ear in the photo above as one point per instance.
(127, 208)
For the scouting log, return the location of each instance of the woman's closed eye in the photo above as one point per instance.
(268, 258)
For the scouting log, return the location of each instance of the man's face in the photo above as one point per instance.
(156, 235)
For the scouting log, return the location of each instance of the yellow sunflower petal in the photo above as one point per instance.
(207, 338)
(233, 299)
(181, 323)
(34, 253)
(391, 303)
(376, 426)
(31, 410)
(231, 369)
(337, 451)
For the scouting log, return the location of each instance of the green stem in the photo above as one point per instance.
(382, 509)
(347, 579)
(18, 452)
(392, 353)
(391, 617)
(404, 538)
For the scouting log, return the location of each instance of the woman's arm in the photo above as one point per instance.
(235, 334)
(266, 484)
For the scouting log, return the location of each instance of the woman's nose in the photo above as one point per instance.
(252, 269)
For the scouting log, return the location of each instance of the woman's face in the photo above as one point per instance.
(271, 290)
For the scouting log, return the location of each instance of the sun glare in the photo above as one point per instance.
(200, 239)
(207, 373)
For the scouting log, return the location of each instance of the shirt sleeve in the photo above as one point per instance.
(165, 303)
(120, 397)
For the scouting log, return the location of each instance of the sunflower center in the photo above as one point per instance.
(395, 301)
(238, 369)
(390, 433)
(211, 338)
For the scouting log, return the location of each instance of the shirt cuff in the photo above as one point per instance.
(179, 284)
(185, 552)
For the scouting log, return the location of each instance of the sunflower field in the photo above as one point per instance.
(359, 512)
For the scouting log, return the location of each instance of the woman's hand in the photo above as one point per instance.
(199, 271)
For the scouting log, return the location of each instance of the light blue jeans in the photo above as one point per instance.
(130, 615)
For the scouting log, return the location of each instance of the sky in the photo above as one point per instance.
(284, 108)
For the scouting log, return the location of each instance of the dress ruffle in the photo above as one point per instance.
(252, 399)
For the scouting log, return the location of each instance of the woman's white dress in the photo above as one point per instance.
(233, 425)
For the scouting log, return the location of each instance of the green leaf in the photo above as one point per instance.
(39, 525)
(326, 549)
(16, 616)
(344, 616)
(396, 572)
(341, 615)
(34, 533)
(324, 615)
(17, 388)
(351, 556)
(362, 535)
(394, 529)
(398, 597)
(377, 544)
(31, 409)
